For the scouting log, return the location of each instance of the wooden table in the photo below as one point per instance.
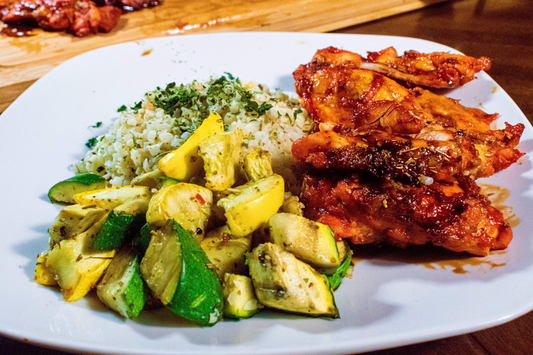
(500, 29)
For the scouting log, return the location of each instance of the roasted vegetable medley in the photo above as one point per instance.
(205, 235)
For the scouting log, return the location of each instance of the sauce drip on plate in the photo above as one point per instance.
(497, 196)
(429, 256)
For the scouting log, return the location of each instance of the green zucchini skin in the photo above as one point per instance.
(162, 263)
(239, 297)
(336, 279)
(141, 240)
(136, 294)
(199, 295)
(118, 228)
(122, 288)
(63, 191)
(312, 242)
(282, 281)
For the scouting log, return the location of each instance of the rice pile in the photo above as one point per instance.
(165, 118)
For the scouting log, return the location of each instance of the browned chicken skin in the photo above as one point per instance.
(354, 102)
(79, 17)
(353, 98)
(397, 164)
(368, 211)
(383, 154)
(407, 159)
(435, 70)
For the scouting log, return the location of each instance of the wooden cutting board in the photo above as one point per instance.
(25, 59)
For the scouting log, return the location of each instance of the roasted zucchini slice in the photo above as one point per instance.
(225, 252)
(122, 288)
(162, 263)
(187, 204)
(239, 297)
(178, 272)
(111, 197)
(63, 192)
(341, 272)
(312, 242)
(199, 296)
(122, 224)
(281, 281)
(220, 154)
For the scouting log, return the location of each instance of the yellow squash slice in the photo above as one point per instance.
(76, 266)
(184, 163)
(44, 275)
(187, 204)
(250, 205)
(112, 197)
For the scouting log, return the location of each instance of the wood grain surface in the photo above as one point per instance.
(25, 59)
(502, 30)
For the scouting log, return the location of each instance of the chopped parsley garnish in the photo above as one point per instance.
(97, 125)
(122, 108)
(91, 142)
(190, 104)
(252, 106)
(175, 97)
(289, 117)
(298, 111)
(137, 106)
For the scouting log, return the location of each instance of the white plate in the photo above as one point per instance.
(386, 303)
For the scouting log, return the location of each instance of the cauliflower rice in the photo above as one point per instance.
(164, 119)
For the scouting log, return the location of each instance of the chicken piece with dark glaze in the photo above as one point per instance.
(382, 154)
(434, 70)
(372, 211)
(397, 165)
(80, 17)
(352, 98)
(335, 92)
(403, 158)
(354, 101)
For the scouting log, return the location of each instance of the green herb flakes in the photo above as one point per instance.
(91, 142)
(252, 106)
(297, 112)
(137, 106)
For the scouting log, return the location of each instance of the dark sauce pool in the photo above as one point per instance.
(429, 256)
(17, 31)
